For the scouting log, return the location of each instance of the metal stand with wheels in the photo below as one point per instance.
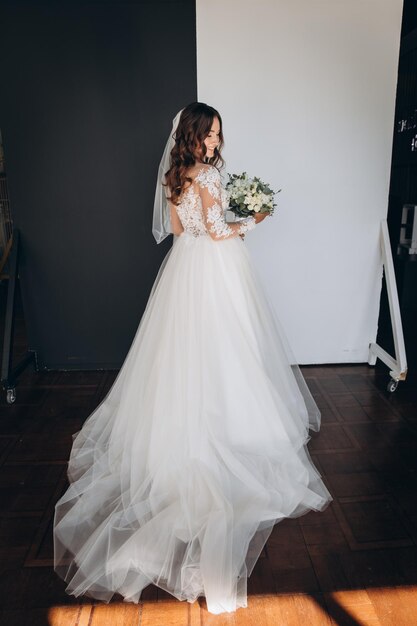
(9, 375)
(398, 364)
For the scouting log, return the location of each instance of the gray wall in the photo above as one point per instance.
(88, 97)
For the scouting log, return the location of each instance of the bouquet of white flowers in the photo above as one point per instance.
(247, 196)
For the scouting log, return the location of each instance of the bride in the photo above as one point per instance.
(199, 448)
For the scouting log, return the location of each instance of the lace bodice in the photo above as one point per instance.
(201, 210)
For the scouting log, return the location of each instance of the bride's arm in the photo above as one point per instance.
(208, 179)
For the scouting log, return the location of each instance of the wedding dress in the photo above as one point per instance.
(179, 475)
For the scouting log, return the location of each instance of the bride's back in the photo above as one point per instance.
(189, 209)
(202, 204)
(192, 172)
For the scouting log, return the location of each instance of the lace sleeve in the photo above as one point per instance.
(208, 179)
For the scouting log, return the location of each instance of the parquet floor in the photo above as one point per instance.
(355, 564)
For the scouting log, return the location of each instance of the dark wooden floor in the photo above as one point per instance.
(354, 564)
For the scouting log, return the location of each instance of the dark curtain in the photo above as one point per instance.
(88, 93)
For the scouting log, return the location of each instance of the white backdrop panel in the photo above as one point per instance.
(306, 90)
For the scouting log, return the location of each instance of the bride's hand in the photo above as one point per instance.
(260, 216)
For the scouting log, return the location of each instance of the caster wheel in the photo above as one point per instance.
(392, 385)
(11, 395)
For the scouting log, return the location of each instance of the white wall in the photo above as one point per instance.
(306, 91)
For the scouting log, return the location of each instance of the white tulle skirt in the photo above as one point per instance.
(179, 475)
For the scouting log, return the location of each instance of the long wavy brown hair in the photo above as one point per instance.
(193, 127)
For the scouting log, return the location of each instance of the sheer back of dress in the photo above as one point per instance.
(202, 206)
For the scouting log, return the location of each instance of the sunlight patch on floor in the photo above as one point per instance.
(378, 606)
(374, 606)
